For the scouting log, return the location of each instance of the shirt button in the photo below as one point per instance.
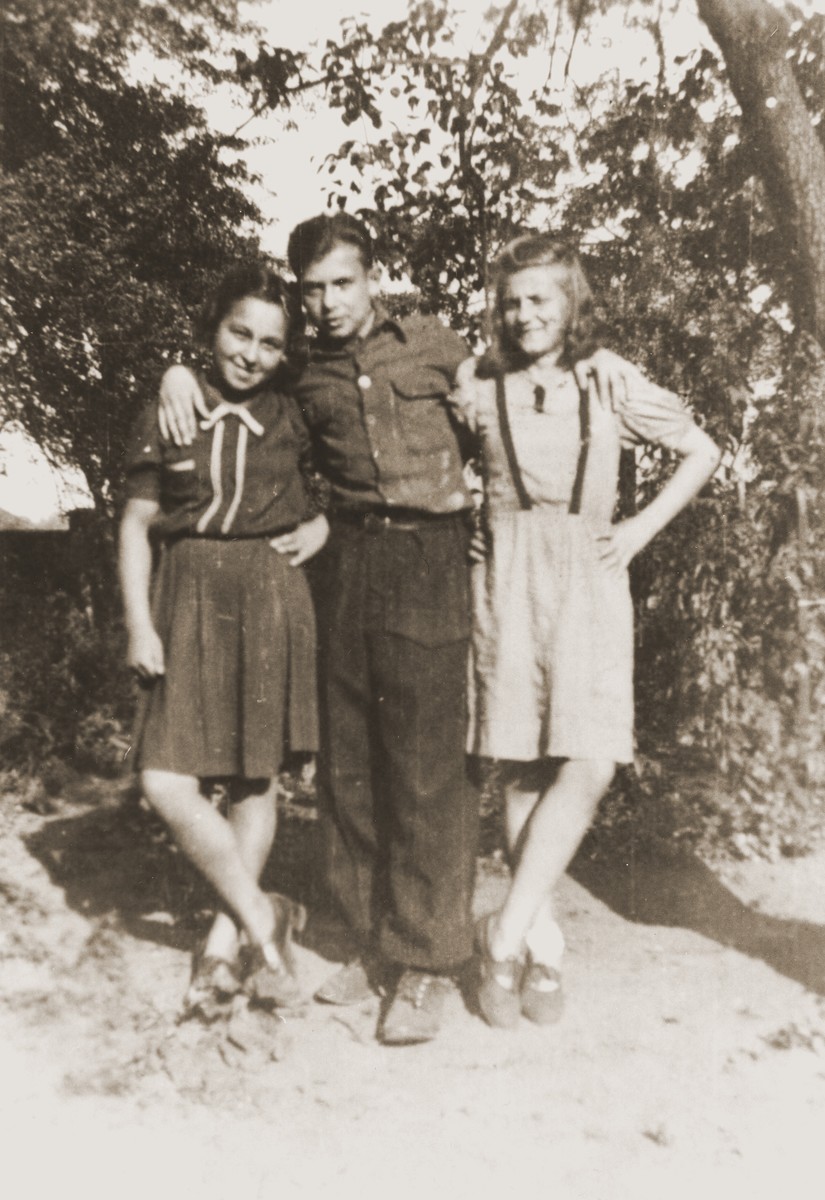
(371, 419)
(364, 382)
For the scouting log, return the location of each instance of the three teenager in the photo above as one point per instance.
(551, 663)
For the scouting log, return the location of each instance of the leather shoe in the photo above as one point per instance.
(416, 1009)
(499, 981)
(349, 985)
(542, 999)
(272, 969)
(211, 988)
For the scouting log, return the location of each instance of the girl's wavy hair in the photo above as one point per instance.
(256, 280)
(542, 250)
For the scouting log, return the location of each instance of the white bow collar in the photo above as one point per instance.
(225, 409)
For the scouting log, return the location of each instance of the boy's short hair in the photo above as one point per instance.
(316, 237)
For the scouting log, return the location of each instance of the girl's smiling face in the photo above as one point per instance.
(535, 311)
(249, 343)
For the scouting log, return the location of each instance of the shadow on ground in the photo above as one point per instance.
(685, 893)
(117, 859)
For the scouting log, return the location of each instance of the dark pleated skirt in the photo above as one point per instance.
(238, 631)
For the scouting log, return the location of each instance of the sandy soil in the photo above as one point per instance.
(690, 1060)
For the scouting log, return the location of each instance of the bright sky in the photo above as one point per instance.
(30, 487)
(289, 161)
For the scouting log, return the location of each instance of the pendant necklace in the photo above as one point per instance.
(554, 377)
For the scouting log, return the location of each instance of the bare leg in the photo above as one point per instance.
(545, 826)
(208, 840)
(524, 785)
(252, 818)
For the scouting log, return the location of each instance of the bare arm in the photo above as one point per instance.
(700, 458)
(176, 413)
(145, 652)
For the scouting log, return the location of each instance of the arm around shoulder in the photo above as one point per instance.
(177, 402)
(614, 377)
(462, 400)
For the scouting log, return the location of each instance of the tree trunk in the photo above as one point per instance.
(753, 38)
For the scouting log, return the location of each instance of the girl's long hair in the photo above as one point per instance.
(541, 250)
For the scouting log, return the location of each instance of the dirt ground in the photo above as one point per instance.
(690, 1060)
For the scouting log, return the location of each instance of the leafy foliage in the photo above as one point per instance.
(117, 204)
(459, 161)
(658, 181)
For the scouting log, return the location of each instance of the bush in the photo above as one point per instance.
(64, 693)
(731, 632)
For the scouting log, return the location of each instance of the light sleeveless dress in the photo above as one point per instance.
(551, 666)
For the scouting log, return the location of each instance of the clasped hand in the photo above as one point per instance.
(303, 541)
(145, 654)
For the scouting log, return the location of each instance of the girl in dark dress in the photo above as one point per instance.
(223, 640)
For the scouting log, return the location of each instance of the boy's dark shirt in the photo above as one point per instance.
(376, 413)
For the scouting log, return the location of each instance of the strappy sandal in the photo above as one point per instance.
(271, 978)
(499, 980)
(542, 998)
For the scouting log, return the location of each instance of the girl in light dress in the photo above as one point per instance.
(223, 640)
(552, 661)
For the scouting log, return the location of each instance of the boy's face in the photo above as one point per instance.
(535, 310)
(338, 293)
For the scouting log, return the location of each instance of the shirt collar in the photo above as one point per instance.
(249, 411)
(383, 320)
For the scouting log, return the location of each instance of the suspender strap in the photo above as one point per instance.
(509, 449)
(581, 466)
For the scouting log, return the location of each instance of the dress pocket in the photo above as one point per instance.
(179, 479)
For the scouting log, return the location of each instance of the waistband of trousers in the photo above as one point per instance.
(378, 519)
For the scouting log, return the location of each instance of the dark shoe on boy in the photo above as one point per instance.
(498, 982)
(542, 998)
(416, 1009)
(351, 984)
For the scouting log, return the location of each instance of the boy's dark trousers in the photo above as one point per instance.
(399, 816)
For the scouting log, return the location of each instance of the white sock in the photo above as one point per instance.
(545, 940)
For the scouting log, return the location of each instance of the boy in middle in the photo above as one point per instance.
(399, 816)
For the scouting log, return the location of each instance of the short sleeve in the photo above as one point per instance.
(653, 414)
(435, 345)
(463, 400)
(144, 457)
